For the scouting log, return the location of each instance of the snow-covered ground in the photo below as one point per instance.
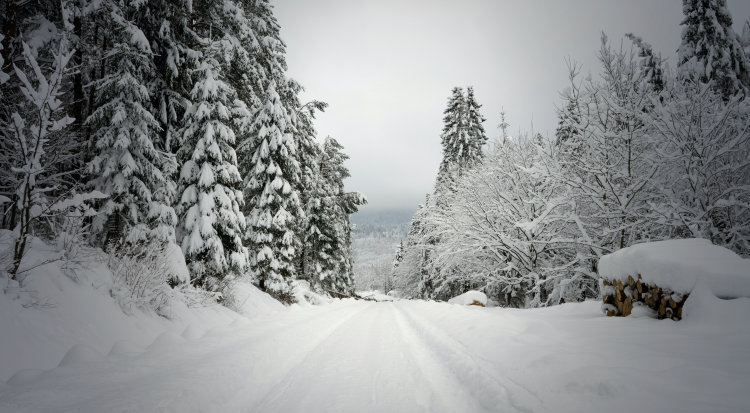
(410, 356)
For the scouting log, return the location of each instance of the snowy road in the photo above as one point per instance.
(408, 356)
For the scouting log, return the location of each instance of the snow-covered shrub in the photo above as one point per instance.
(195, 297)
(302, 293)
(73, 232)
(140, 277)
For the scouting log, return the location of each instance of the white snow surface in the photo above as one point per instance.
(469, 297)
(177, 262)
(413, 356)
(65, 310)
(251, 302)
(680, 265)
(68, 347)
(376, 295)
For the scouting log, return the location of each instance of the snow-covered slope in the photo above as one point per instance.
(65, 311)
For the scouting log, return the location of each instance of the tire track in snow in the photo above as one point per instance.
(492, 392)
(284, 368)
(368, 365)
(447, 388)
(336, 364)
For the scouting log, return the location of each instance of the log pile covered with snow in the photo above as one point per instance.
(661, 275)
(477, 298)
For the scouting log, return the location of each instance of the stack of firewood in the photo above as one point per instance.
(619, 298)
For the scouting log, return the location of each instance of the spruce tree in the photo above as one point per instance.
(453, 140)
(311, 190)
(651, 64)
(129, 167)
(272, 176)
(710, 50)
(397, 259)
(462, 139)
(477, 138)
(210, 184)
(336, 255)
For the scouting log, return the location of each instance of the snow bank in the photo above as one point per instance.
(250, 301)
(679, 264)
(304, 295)
(470, 298)
(64, 312)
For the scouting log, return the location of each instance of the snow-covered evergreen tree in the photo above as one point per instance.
(412, 275)
(398, 257)
(651, 64)
(129, 167)
(477, 138)
(453, 139)
(710, 50)
(329, 237)
(209, 183)
(462, 139)
(309, 155)
(333, 173)
(273, 203)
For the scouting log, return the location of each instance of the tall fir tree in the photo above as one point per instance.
(412, 276)
(453, 138)
(710, 50)
(309, 154)
(128, 166)
(463, 138)
(334, 248)
(272, 176)
(475, 133)
(210, 183)
(651, 64)
(398, 257)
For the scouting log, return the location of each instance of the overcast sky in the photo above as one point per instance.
(386, 67)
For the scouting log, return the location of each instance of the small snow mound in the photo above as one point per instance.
(304, 295)
(176, 260)
(192, 332)
(642, 311)
(470, 298)
(166, 341)
(80, 353)
(679, 264)
(705, 308)
(249, 301)
(125, 348)
(24, 376)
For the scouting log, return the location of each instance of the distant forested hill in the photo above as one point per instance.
(375, 236)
